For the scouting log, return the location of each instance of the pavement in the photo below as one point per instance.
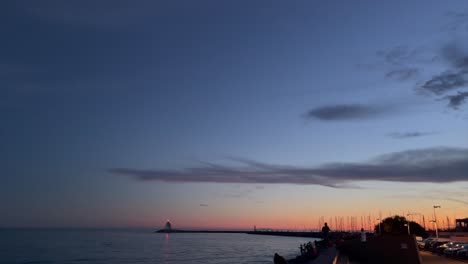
(326, 256)
(429, 258)
(343, 259)
(426, 257)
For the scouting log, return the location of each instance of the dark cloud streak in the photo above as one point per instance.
(436, 165)
(403, 74)
(455, 101)
(345, 112)
(402, 56)
(406, 64)
(409, 135)
(457, 200)
(456, 56)
(444, 82)
(454, 78)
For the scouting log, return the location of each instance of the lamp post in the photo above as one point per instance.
(435, 223)
(408, 222)
(435, 220)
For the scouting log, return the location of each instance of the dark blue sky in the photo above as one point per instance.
(93, 90)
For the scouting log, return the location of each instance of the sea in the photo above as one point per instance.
(123, 246)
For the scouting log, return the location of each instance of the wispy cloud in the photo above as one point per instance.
(455, 101)
(403, 56)
(436, 165)
(204, 205)
(345, 112)
(445, 82)
(455, 55)
(455, 77)
(402, 63)
(403, 74)
(457, 200)
(409, 135)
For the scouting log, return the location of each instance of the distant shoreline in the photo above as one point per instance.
(201, 231)
(268, 233)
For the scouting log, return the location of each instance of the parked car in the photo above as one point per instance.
(452, 251)
(422, 243)
(425, 243)
(418, 239)
(439, 250)
(436, 243)
(462, 253)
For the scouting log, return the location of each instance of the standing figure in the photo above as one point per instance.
(363, 235)
(325, 231)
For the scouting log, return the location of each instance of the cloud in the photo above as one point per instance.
(455, 77)
(402, 56)
(455, 101)
(345, 112)
(435, 165)
(457, 200)
(447, 81)
(203, 205)
(403, 74)
(409, 135)
(395, 55)
(402, 63)
(455, 55)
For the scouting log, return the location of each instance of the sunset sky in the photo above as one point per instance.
(230, 114)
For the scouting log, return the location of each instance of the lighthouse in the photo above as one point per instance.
(168, 227)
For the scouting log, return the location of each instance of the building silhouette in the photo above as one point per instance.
(461, 225)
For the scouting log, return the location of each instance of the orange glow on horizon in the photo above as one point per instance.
(297, 223)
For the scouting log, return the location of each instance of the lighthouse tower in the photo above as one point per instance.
(168, 227)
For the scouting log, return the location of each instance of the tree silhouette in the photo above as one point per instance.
(398, 225)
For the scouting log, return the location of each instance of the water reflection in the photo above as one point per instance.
(166, 248)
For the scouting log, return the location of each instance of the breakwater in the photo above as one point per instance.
(201, 231)
(287, 233)
(267, 232)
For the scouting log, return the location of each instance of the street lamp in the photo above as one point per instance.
(435, 221)
(407, 221)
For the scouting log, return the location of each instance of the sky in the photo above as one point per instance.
(230, 114)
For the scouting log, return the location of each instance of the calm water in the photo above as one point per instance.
(140, 246)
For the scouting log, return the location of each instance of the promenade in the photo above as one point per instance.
(429, 258)
(326, 256)
(426, 257)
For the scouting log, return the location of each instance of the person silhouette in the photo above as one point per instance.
(325, 231)
(363, 235)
